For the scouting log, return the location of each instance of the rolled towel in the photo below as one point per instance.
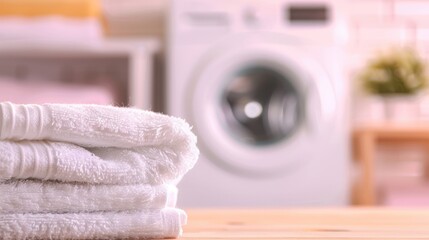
(94, 144)
(165, 223)
(53, 197)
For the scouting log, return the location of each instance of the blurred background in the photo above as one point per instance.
(295, 102)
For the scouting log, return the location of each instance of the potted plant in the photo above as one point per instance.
(398, 77)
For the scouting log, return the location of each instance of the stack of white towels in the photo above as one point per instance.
(91, 172)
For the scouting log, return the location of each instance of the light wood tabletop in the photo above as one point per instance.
(347, 223)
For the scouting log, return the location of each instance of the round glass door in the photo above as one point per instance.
(260, 105)
(256, 108)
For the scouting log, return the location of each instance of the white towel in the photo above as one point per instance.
(105, 144)
(95, 172)
(48, 197)
(164, 223)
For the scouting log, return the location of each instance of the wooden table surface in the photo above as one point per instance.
(347, 223)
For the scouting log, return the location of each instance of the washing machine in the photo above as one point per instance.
(262, 83)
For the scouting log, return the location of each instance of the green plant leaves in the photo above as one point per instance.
(399, 71)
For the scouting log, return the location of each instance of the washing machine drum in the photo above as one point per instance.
(261, 106)
(260, 110)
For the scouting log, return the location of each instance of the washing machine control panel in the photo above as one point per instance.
(257, 14)
(307, 14)
(306, 19)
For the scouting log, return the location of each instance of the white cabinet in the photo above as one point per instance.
(125, 67)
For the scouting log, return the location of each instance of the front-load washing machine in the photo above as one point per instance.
(261, 82)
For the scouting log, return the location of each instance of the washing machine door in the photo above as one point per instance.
(260, 109)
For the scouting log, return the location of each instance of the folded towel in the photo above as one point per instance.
(46, 196)
(89, 171)
(164, 223)
(105, 144)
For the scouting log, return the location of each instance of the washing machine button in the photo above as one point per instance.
(253, 17)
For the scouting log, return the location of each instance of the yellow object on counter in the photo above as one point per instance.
(39, 8)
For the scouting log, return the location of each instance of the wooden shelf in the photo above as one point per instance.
(366, 141)
(98, 48)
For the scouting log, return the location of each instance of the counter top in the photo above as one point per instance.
(348, 223)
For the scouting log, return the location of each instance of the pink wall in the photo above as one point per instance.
(376, 24)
